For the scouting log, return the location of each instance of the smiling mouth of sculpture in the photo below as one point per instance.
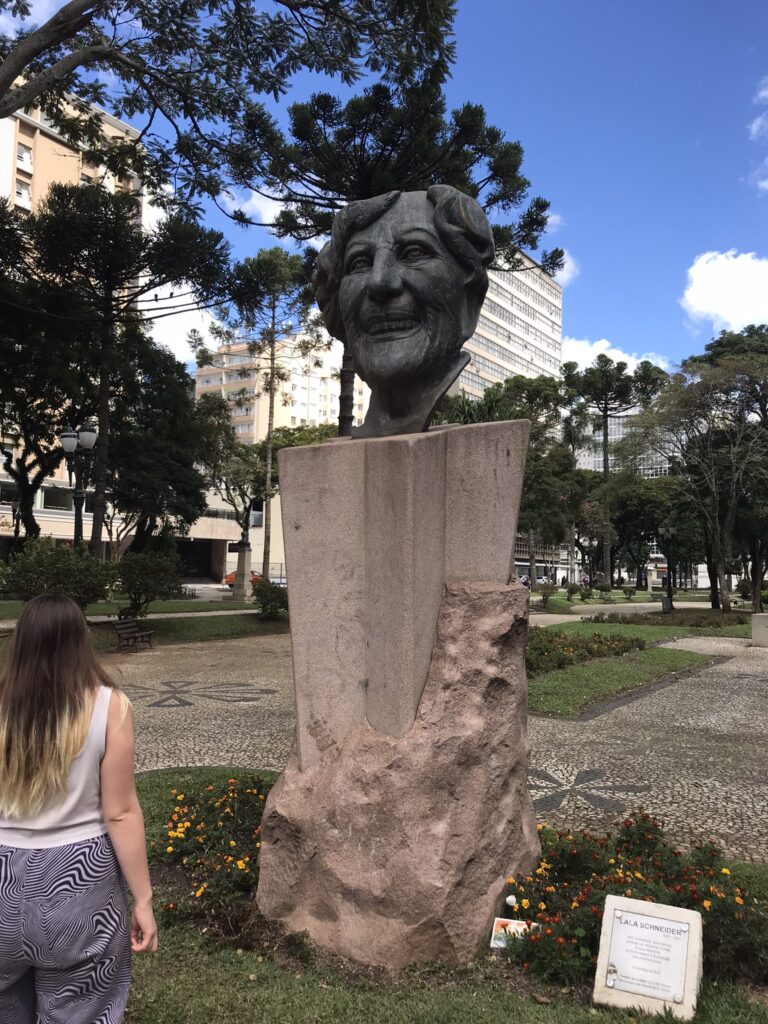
(392, 326)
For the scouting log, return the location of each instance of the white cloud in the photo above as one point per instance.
(41, 11)
(584, 352)
(571, 270)
(555, 221)
(254, 205)
(761, 96)
(758, 129)
(730, 289)
(759, 177)
(171, 331)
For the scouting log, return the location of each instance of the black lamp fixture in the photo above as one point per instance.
(78, 447)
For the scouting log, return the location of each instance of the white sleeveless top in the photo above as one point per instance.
(78, 814)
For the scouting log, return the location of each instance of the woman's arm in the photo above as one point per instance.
(125, 822)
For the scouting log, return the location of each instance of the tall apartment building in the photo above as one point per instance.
(650, 464)
(519, 330)
(309, 397)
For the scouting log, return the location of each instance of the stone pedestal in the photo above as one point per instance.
(243, 589)
(404, 804)
(760, 630)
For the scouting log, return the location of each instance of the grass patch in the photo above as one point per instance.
(568, 691)
(685, 621)
(194, 629)
(230, 987)
(753, 877)
(651, 633)
(12, 609)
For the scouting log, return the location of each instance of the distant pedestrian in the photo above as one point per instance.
(71, 828)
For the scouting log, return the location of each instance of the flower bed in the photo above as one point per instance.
(548, 649)
(565, 895)
(213, 839)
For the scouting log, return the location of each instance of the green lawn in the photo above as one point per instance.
(193, 629)
(12, 609)
(241, 987)
(653, 631)
(567, 691)
(238, 987)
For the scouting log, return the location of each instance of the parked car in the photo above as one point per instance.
(229, 579)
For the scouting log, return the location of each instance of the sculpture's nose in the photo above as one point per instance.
(384, 280)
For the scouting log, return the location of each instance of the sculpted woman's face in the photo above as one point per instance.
(403, 297)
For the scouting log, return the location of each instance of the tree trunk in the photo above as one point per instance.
(346, 396)
(101, 458)
(757, 558)
(714, 587)
(606, 521)
(26, 508)
(268, 454)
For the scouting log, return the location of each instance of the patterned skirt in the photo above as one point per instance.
(64, 935)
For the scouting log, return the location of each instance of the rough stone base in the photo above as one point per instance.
(395, 851)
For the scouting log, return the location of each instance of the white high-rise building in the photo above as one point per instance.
(519, 331)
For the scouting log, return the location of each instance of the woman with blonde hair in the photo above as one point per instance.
(71, 828)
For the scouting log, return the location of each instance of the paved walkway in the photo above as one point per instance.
(695, 751)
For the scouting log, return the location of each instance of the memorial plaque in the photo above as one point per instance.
(650, 957)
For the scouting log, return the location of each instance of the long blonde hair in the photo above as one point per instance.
(47, 691)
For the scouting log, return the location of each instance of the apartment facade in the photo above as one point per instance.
(308, 397)
(519, 331)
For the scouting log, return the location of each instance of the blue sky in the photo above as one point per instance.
(646, 126)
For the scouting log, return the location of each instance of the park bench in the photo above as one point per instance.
(129, 634)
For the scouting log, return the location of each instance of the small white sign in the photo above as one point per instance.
(505, 927)
(650, 957)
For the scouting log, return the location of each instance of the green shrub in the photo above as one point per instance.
(148, 577)
(629, 592)
(42, 568)
(549, 649)
(546, 590)
(679, 617)
(585, 593)
(571, 590)
(603, 586)
(744, 589)
(566, 894)
(214, 838)
(270, 599)
(4, 575)
(765, 597)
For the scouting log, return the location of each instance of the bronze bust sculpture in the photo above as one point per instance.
(401, 283)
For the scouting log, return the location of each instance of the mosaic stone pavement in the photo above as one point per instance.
(694, 752)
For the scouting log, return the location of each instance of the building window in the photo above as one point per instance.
(23, 194)
(24, 157)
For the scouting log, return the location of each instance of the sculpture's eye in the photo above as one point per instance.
(413, 251)
(357, 263)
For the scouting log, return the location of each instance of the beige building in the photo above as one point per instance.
(309, 397)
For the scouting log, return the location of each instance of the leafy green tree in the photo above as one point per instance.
(158, 439)
(271, 299)
(195, 75)
(148, 577)
(609, 390)
(87, 245)
(703, 422)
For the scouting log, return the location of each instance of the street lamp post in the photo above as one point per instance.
(667, 533)
(16, 515)
(78, 447)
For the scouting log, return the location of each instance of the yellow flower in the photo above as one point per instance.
(611, 861)
(706, 904)
(232, 842)
(540, 826)
(510, 880)
(574, 905)
(525, 904)
(258, 845)
(241, 865)
(169, 849)
(724, 871)
(200, 891)
(739, 900)
(180, 796)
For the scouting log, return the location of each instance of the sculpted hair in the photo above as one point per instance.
(46, 700)
(459, 221)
